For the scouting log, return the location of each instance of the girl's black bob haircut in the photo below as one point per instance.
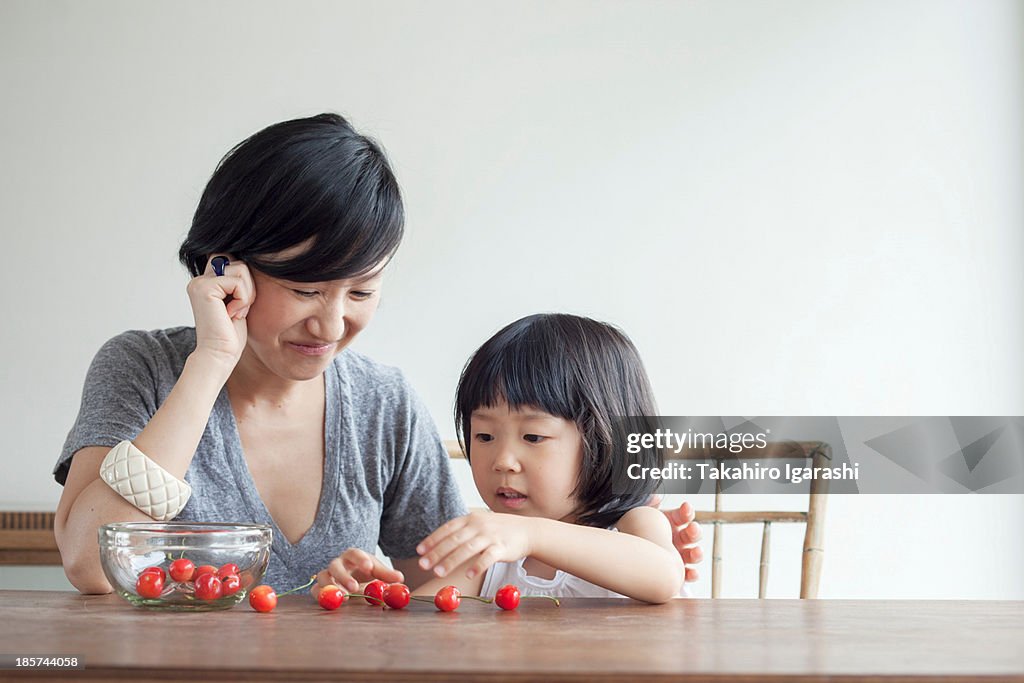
(580, 370)
(314, 179)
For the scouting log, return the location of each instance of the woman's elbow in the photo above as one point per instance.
(88, 580)
(81, 569)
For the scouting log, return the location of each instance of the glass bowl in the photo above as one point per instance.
(128, 548)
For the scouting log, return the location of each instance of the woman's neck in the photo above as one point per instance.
(253, 385)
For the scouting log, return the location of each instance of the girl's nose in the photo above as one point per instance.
(506, 461)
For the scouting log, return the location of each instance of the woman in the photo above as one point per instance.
(260, 407)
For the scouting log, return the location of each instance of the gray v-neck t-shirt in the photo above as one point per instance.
(386, 478)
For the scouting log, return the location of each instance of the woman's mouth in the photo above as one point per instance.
(312, 349)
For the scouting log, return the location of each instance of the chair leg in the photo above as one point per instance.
(762, 579)
(814, 537)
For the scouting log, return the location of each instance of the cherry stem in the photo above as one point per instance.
(312, 579)
(549, 597)
(477, 597)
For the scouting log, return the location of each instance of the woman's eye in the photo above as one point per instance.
(305, 294)
(361, 296)
(484, 437)
(534, 438)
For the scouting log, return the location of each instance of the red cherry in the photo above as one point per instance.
(156, 570)
(229, 568)
(149, 585)
(331, 597)
(396, 596)
(208, 587)
(204, 569)
(182, 570)
(448, 599)
(231, 584)
(507, 597)
(374, 592)
(263, 598)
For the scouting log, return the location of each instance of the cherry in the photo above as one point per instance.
(205, 569)
(149, 585)
(263, 598)
(156, 570)
(229, 568)
(231, 584)
(448, 599)
(374, 592)
(507, 597)
(208, 587)
(396, 596)
(330, 597)
(182, 570)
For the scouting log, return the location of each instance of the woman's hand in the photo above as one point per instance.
(489, 536)
(220, 327)
(353, 567)
(686, 533)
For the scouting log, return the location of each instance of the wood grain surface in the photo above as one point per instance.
(583, 640)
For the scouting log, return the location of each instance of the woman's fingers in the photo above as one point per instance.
(680, 516)
(338, 573)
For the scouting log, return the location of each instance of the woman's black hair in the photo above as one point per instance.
(311, 179)
(580, 370)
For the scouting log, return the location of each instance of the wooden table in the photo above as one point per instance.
(583, 640)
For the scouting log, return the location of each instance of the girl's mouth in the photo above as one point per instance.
(511, 498)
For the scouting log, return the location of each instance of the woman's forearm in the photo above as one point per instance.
(169, 439)
(621, 562)
(173, 433)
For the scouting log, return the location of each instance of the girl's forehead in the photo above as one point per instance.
(502, 410)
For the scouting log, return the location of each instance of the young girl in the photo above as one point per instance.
(536, 410)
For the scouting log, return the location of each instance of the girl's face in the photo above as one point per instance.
(525, 461)
(296, 328)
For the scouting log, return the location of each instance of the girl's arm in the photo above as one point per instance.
(639, 561)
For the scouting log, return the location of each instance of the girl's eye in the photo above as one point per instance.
(305, 294)
(361, 296)
(534, 438)
(484, 437)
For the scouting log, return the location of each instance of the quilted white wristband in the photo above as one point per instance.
(143, 483)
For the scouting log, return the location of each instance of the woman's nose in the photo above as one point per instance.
(329, 324)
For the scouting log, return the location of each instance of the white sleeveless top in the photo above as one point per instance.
(564, 585)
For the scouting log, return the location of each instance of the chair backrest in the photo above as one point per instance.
(27, 538)
(820, 455)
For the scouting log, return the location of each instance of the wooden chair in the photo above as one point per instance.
(27, 538)
(820, 455)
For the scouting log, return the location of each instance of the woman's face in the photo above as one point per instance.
(296, 328)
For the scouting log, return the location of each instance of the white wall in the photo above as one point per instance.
(792, 207)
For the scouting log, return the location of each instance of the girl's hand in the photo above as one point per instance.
(489, 536)
(352, 567)
(220, 328)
